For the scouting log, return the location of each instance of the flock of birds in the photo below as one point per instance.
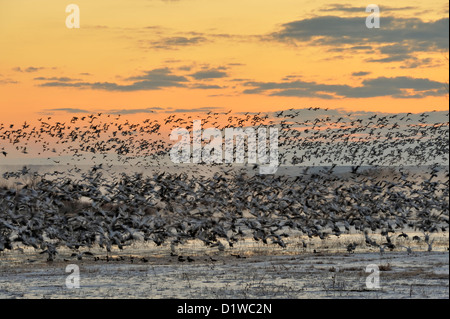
(343, 139)
(107, 205)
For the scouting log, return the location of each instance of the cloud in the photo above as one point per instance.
(205, 87)
(32, 69)
(361, 73)
(111, 111)
(4, 80)
(7, 81)
(67, 110)
(391, 58)
(397, 87)
(65, 84)
(196, 110)
(133, 111)
(415, 63)
(151, 80)
(334, 30)
(172, 43)
(302, 93)
(28, 70)
(361, 47)
(59, 79)
(162, 75)
(209, 74)
(398, 39)
(349, 8)
(155, 79)
(421, 86)
(185, 68)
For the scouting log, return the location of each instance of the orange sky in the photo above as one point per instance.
(244, 55)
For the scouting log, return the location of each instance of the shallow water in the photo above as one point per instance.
(240, 272)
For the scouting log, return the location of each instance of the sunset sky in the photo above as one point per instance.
(139, 56)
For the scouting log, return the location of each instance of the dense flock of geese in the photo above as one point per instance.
(108, 207)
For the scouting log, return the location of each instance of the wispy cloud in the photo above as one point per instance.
(59, 79)
(134, 111)
(196, 110)
(155, 79)
(361, 73)
(66, 110)
(151, 80)
(397, 87)
(174, 43)
(209, 74)
(336, 7)
(123, 111)
(29, 69)
(205, 86)
(7, 80)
